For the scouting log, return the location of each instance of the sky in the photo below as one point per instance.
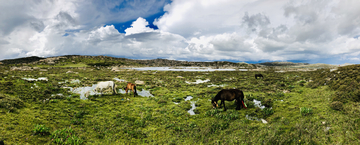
(311, 31)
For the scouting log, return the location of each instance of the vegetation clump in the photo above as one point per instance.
(41, 130)
(10, 103)
(306, 111)
(337, 105)
(66, 136)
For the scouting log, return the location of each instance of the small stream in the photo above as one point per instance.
(193, 107)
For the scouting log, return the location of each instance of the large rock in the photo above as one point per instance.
(139, 82)
(115, 69)
(22, 68)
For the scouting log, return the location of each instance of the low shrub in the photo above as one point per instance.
(10, 103)
(41, 130)
(336, 105)
(66, 136)
(305, 111)
(267, 112)
(267, 103)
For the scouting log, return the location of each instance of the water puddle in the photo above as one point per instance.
(193, 107)
(75, 81)
(198, 81)
(212, 85)
(52, 95)
(258, 104)
(119, 80)
(255, 118)
(188, 98)
(143, 93)
(191, 111)
(85, 91)
(39, 79)
(184, 69)
(251, 118)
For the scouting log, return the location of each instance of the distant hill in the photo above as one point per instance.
(282, 64)
(107, 61)
(22, 60)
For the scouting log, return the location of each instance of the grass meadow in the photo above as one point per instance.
(315, 107)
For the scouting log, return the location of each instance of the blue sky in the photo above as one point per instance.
(250, 31)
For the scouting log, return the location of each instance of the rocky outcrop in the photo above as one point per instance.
(21, 68)
(138, 82)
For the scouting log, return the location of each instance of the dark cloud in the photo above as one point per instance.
(257, 20)
(37, 25)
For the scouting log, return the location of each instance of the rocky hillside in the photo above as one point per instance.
(22, 60)
(282, 64)
(107, 61)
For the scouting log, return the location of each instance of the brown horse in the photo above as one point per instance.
(259, 76)
(132, 87)
(229, 95)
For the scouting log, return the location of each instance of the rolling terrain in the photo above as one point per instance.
(38, 104)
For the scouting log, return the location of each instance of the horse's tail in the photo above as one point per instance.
(242, 99)
(135, 91)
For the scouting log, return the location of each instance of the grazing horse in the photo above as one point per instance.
(132, 87)
(259, 76)
(229, 95)
(104, 85)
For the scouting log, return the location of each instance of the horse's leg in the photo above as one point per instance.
(238, 103)
(133, 91)
(221, 102)
(224, 105)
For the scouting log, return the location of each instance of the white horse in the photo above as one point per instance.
(104, 85)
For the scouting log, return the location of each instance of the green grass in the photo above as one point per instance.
(113, 119)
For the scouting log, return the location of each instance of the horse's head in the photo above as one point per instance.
(214, 103)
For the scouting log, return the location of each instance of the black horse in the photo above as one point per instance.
(229, 95)
(259, 76)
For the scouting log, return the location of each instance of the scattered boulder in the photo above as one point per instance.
(179, 77)
(43, 70)
(22, 68)
(138, 82)
(115, 69)
(264, 121)
(286, 91)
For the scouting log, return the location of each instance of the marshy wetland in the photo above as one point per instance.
(297, 107)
